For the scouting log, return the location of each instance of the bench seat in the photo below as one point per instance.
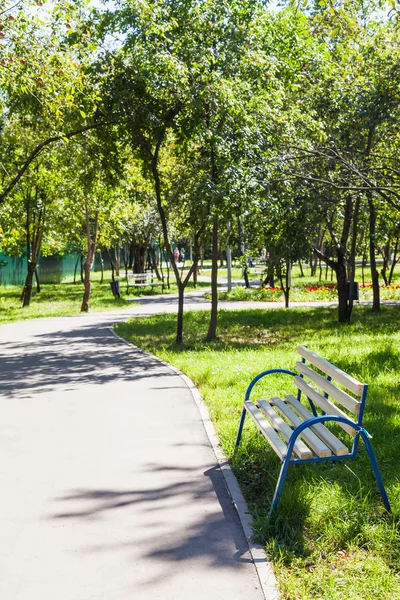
(146, 279)
(297, 432)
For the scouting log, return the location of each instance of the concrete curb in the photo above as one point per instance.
(263, 567)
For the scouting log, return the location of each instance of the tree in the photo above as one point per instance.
(30, 219)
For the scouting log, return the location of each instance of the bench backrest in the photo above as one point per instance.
(328, 397)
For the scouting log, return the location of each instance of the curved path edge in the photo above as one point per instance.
(263, 566)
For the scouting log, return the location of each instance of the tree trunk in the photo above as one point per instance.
(101, 268)
(394, 261)
(27, 291)
(352, 257)
(343, 313)
(285, 284)
(301, 269)
(125, 258)
(164, 225)
(271, 272)
(91, 240)
(221, 259)
(313, 265)
(154, 263)
(34, 220)
(212, 330)
(286, 293)
(139, 254)
(339, 266)
(363, 263)
(113, 270)
(385, 251)
(288, 282)
(38, 288)
(376, 307)
(117, 252)
(197, 253)
(87, 286)
(314, 259)
(168, 273)
(245, 271)
(179, 325)
(131, 254)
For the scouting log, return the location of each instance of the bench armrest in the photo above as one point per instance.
(264, 374)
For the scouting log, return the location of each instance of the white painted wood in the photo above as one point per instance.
(340, 376)
(145, 279)
(323, 432)
(326, 405)
(278, 423)
(309, 437)
(339, 395)
(268, 432)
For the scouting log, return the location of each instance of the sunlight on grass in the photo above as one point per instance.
(56, 300)
(331, 537)
(65, 298)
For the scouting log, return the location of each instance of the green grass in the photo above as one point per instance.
(55, 300)
(331, 537)
(65, 298)
(299, 287)
(302, 294)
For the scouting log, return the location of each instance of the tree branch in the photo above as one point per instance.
(37, 151)
(331, 263)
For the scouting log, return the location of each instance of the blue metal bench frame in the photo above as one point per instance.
(287, 460)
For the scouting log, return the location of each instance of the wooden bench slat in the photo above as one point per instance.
(299, 447)
(142, 279)
(268, 432)
(323, 432)
(149, 284)
(347, 401)
(326, 405)
(340, 376)
(309, 436)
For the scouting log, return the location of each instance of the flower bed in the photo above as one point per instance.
(310, 293)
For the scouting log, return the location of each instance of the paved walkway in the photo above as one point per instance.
(109, 486)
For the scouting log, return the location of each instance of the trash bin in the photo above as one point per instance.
(355, 290)
(115, 288)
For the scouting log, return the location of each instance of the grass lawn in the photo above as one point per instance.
(55, 300)
(307, 288)
(303, 293)
(65, 298)
(331, 537)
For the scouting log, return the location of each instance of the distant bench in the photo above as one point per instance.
(298, 435)
(145, 279)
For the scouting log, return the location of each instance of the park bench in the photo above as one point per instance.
(145, 279)
(298, 434)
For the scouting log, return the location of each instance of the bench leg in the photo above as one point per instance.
(279, 485)
(375, 468)
(239, 433)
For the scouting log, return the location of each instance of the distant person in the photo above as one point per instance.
(176, 255)
(183, 253)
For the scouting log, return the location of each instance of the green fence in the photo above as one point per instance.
(51, 269)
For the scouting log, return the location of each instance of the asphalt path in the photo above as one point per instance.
(109, 485)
